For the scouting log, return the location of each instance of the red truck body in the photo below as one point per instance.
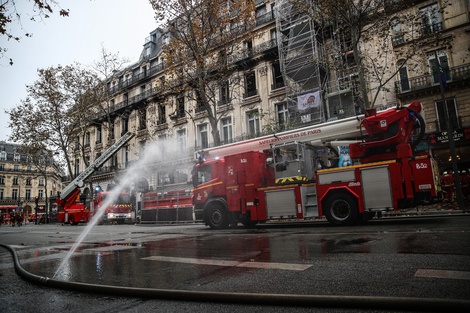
(171, 206)
(74, 211)
(119, 211)
(252, 187)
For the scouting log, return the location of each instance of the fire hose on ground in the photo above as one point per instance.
(350, 302)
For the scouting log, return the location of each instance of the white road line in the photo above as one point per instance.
(430, 273)
(263, 265)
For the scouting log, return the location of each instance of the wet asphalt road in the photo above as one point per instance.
(415, 257)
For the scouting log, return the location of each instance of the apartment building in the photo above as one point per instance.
(21, 181)
(285, 61)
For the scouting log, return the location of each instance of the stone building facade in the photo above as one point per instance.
(264, 102)
(21, 181)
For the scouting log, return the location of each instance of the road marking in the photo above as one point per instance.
(263, 265)
(429, 273)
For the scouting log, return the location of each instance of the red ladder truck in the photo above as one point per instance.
(71, 209)
(289, 181)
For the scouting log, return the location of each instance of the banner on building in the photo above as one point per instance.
(308, 101)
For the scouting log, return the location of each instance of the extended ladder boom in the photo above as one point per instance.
(78, 182)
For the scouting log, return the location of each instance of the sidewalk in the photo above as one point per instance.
(436, 208)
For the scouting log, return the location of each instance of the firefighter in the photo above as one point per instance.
(465, 183)
(447, 183)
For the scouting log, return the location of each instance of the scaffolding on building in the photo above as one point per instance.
(315, 92)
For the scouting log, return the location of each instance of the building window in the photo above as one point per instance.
(226, 130)
(250, 85)
(142, 113)
(430, 19)
(14, 194)
(397, 33)
(16, 168)
(224, 94)
(15, 180)
(278, 81)
(453, 114)
(124, 125)
(3, 156)
(180, 106)
(1, 194)
(28, 181)
(403, 76)
(98, 134)
(161, 114)
(41, 181)
(161, 143)
(76, 167)
(111, 131)
(253, 123)
(126, 156)
(282, 115)
(142, 147)
(181, 139)
(28, 194)
(203, 136)
(2, 167)
(41, 194)
(164, 178)
(87, 139)
(16, 157)
(2, 180)
(439, 67)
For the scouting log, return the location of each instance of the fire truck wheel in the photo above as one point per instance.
(341, 209)
(217, 217)
(71, 220)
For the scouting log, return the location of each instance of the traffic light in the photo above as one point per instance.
(36, 199)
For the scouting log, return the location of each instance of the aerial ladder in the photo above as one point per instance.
(69, 194)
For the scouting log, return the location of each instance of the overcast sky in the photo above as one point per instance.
(120, 26)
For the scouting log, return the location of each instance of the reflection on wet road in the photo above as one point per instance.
(377, 259)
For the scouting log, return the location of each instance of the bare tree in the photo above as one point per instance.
(200, 37)
(9, 13)
(57, 106)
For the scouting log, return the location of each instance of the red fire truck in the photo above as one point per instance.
(171, 206)
(71, 209)
(119, 211)
(299, 180)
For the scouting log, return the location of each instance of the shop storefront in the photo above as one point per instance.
(439, 144)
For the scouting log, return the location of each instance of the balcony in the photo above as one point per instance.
(136, 78)
(428, 29)
(454, 75)
(254, 51)
(265, 18)
(398, 39)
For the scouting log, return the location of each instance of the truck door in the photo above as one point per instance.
(236, 193)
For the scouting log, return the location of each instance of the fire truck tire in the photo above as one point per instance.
(71, 220)
(341, 209)
(216, 216)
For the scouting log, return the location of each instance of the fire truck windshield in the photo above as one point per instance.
(203, 174)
